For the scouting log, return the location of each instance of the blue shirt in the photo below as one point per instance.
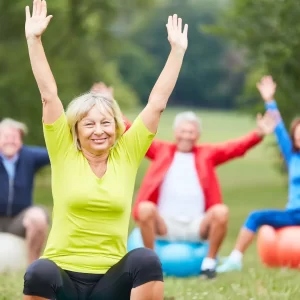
(10, 165)
(291, 158)
(17, 179)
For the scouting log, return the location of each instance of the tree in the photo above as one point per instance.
(210, 75)
(269, 35)
(80, 43)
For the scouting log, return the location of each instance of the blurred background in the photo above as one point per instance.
(123, 43)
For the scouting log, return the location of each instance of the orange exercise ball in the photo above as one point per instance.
(267, 246)
(279, 247)
(289, 246)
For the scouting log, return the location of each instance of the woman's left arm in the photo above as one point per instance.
(166, 82)
(138, 138)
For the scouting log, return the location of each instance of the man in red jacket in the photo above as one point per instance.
(180, 197)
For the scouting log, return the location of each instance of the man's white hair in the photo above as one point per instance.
(187, 116)
(10, 123)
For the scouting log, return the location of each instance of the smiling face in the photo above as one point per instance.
(97, 131)
(10, 141)
(186, 136)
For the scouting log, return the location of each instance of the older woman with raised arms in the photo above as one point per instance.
(94, 165)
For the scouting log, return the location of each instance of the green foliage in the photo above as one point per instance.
(269, 33)
(79, 43)
(123, 43)
(210, 75)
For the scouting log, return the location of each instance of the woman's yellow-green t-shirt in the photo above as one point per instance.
(91, 215)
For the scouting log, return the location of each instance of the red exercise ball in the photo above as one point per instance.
(279, 247)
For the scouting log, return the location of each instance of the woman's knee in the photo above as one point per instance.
(42, 278)
(146, 266)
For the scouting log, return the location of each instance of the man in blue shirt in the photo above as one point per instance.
(18, 166)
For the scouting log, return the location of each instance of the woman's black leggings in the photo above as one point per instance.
(45, 279)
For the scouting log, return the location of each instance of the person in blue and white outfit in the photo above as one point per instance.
(289, 145)
(18, 166)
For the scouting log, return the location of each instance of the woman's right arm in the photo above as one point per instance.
(267, 88)
(35, 25)
(57, 134)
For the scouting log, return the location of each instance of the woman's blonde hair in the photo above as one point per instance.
(81, 105)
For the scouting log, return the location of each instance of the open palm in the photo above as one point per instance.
(37, 23)
(267, 123)
(267, 88)
(177, 38)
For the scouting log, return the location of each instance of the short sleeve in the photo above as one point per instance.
(136, 141)
(58, 138)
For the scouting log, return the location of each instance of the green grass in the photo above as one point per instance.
(248, 183)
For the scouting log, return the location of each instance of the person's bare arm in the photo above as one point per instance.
(35, 26)
(165, 84)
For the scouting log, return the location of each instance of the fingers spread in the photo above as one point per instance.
(185, 30)
(267, 80)
(170, 22)
(180, 25)
(48, 19)
(38, 7)
(175, 21)
(34, 7)
(27, 11)
(44, 9)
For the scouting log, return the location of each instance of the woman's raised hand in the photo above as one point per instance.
(176, 36)
(36, 23)
(267, 88)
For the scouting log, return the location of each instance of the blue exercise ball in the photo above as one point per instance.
(179, 259)
(135, 240)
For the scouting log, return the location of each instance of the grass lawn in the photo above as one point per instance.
(249, 183)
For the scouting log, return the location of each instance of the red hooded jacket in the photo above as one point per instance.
(207, 157)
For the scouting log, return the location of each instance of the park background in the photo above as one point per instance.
(232, 43)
